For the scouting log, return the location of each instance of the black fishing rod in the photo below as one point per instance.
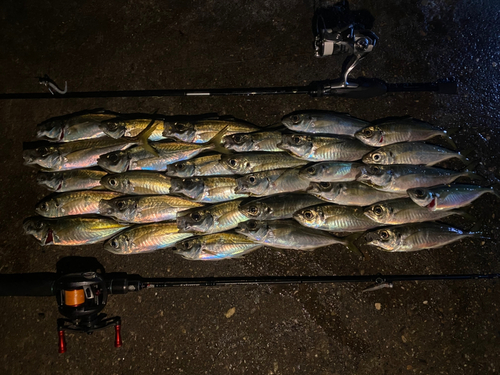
(359, 88)
(82, 296)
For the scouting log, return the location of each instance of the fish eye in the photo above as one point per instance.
(419, 193)
(325, 185)
(113, 182)
(311, 170)
(378, 210)
(120, 205)
(237, 138)
(39, 225)
(295, 119)
(196, 216)
(233, 162)
(368, 132)
(375, 169)
(44, 207)
(115, 243)
(252, 179)
(253, 210)
(113, 158)
(112, 126)
(181, 166)
(376, 157)
(308, 214)
(296, 139)
(384, 234)
(252, 225)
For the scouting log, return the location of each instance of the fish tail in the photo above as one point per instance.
(349, 242)
(495, 190)
(216, 141)
(464, 155)
(447, 137)
(465, 215)
(142, 138)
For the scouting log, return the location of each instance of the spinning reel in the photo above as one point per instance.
(337, 31)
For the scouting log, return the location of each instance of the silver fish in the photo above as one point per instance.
(287, 234)
(350, 193)
(411, 153)
(204, 130)
(75, 127)
(399, 178)
(259, 141)
(76, 179)
(251, 162)
(138, 158)
(318, 122)
(145, 239)
(335, 218)
(71, 230)
(279, 206)
(207, 189)
(400, 130)
(130, 127)
(331, 171)
(414, 237)
(137, 183)
(405, 211)
(315, 148)
(73, 203)
(216, 246)
(202, 166)
(140, 209)
(211, 219)
(271, 182)
(448, 197)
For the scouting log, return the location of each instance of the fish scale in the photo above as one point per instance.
(414, 237)
(145, 238)
(73, 203)
(403, 211)
(334, 218)
(216, 246)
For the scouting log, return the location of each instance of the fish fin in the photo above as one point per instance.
(463, 155)
(143, 137)
(349, 242)
(216, 141)
(275, 126)
(495, 190)
(447, 137)
(465, 215)
(475, 228)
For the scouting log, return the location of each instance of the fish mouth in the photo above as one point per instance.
(49, 239)
(432, 205)
(61, 136)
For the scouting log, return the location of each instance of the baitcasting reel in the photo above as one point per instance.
(80, 298)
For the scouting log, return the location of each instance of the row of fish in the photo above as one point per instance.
(271, 164)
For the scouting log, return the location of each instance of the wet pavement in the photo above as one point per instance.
(423, 328)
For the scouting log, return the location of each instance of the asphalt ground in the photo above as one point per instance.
(422, 328)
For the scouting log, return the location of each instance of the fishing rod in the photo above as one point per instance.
(81, 296)
(337, 30)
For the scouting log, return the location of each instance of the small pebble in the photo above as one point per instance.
(426, 302)
(230, 312)
(378, 306)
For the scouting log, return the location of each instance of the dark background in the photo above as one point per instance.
(422, 328)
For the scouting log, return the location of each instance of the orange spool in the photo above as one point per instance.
(74, 297)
